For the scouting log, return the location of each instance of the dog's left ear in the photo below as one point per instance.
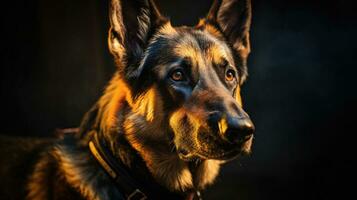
(132, 24)
(233, 17)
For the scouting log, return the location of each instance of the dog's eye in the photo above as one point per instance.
(230, 75)
(177, 75)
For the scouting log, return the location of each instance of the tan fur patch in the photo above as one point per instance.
(238, 97)
(222, 125)
(171, 171)
(167, 30)
(115, 95)
(212, 30)
(37, 183)
(207, 173)
(195, 123)
(188, 48)
(216, 53)
(148, 105)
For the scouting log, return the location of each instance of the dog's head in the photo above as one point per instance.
(196, 71)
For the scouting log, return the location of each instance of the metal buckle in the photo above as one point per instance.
(137, 195)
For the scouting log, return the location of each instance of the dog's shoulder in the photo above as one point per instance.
(72, 172)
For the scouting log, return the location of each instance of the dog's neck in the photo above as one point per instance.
(141, 143)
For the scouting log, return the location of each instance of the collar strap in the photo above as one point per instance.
(121, 177)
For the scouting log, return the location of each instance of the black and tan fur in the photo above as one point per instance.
(176, 132)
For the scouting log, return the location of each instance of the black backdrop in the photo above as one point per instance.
(301, 90)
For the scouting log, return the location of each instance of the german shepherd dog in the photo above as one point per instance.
(170, 116)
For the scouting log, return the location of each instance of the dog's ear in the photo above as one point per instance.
(132, 24)
(233, 18)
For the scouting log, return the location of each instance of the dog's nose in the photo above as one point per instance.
(238, 130)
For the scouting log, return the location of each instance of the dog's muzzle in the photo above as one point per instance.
(229, 138)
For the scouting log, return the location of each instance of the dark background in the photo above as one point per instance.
(301, 91)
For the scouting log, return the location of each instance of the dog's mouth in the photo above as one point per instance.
(190, 156)
(225, 156)
(214, 151)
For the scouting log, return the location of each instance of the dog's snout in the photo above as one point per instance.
(238, 130)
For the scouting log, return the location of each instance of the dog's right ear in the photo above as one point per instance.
(132, 24)
(233, 19)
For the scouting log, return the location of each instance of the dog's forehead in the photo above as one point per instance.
(192, 43)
